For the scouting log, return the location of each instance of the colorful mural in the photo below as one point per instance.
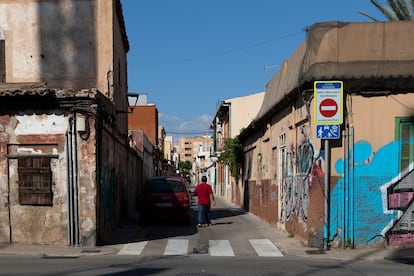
(358, 202)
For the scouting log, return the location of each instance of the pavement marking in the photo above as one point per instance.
(220, 248)
(134, 248)
(265, 248)
(176, 247)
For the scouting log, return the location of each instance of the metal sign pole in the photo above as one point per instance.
(326, 196)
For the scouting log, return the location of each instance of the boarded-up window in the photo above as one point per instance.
(35, 181)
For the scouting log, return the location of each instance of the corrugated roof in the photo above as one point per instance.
(370, 54)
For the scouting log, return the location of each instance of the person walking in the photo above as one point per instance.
(205, 195)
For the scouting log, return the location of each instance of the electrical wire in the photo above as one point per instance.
(226, 52)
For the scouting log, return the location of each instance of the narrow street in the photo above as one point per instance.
(237, 243)
(233, 233)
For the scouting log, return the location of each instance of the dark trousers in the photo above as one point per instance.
(204, 214)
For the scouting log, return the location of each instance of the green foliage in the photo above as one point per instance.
(233, 155)
(185, 167)
(397, 10)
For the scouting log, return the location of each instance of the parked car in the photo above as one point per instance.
(165, 197)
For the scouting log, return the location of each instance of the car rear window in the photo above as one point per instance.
(164, 186)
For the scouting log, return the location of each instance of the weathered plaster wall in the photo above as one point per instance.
(5, 124)
(52, 39)
(87, 171)
(35, 134)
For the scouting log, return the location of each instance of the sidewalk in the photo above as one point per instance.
(294, 247)
(289, 246)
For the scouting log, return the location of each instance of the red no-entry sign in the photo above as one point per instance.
(328, 102)
(328, 108)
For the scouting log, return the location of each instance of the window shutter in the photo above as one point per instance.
(35, 181)
(407, 146)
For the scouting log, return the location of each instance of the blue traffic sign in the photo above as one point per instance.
(328, 131)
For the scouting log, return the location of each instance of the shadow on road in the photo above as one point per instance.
(134, 231)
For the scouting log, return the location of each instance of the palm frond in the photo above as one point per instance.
(397, 10)
(367, 15)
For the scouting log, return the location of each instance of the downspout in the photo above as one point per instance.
(98, 164)
(345, 190)
(70, 179)
(352, 190)
(73, 218)
(75, 181)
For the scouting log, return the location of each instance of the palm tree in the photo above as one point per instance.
(397, 10)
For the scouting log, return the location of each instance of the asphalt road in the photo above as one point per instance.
(236, 243)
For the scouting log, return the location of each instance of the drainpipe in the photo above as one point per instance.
(259, 177)
(345, 215)
(70, 180)
(75, 182)
(73, 219)
(352, 190)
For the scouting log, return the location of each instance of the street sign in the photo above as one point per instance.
(328, 131)
(328, 102)
(328, 108)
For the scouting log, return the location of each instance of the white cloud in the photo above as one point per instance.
(190, 127)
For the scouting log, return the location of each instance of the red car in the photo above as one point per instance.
(165, 197)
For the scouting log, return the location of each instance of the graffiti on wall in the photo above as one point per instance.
(295, 193)
(359, 204)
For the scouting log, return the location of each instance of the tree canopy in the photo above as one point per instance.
(185, 167)
(233, 155)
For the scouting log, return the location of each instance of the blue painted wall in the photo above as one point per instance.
(358, 207)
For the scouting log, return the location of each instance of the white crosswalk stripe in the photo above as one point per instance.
(265, 248)
(176, 247)
(222, 248)
(133, 248)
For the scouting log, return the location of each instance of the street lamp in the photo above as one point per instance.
(131, 96)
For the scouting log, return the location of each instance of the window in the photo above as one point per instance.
(405, 133)
(275, 164)
(35, 181)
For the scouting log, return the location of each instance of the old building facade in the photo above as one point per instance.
(355, 190)
(66, 170)
(231, 117)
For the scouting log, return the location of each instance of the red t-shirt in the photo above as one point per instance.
(203, 191)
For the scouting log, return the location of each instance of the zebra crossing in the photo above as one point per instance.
(223, 248)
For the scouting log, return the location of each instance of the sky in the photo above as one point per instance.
(189, 55)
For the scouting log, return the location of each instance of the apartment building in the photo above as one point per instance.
(191, 147)
(197, 150)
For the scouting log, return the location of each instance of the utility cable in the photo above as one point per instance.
(226, 52)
